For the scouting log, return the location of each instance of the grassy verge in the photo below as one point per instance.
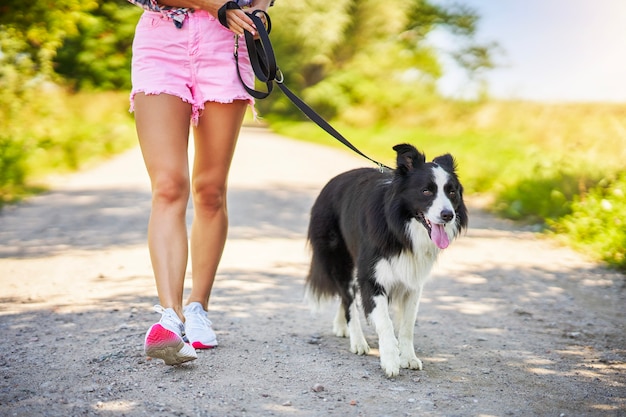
(60, 132)
(558, 166)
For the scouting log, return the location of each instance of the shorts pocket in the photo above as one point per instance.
(150, 20)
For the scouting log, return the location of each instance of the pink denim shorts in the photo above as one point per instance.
(195, 63)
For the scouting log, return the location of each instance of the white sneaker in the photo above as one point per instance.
(164, 339)
(198, 328)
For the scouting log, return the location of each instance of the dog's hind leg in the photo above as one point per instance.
(408, 305)
(358, 344)
(340, 324)
(347, 322)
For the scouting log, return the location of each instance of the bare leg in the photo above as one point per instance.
(163, 129)
(215, 138)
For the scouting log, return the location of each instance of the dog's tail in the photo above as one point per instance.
(331, 268)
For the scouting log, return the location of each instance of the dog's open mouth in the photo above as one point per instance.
(436, 231)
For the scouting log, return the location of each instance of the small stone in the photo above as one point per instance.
(317, 388)
(314, 340)
(522, 312)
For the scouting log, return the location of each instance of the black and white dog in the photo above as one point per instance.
(375, 237)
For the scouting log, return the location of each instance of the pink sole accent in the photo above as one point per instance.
(167, 345)
(199, 345)
(160, 337)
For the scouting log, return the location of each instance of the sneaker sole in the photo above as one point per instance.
(167, 345)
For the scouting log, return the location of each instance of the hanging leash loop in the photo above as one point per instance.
(266, 70)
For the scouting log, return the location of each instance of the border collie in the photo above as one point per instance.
(374, 238)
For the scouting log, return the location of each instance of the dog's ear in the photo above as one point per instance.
(447, 162)
(408, 158)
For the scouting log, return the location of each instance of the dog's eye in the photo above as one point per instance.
(427, 192)
(452, 193)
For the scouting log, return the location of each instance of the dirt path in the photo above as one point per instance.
(510, 325)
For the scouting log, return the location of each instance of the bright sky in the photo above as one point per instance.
(553, 50)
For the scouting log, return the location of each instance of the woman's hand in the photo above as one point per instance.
(239, 21)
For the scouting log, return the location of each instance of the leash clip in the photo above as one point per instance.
(236, 51)
(279, 78)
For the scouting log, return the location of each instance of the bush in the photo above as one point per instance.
(545, 191)
(596, 224)
(60, 132)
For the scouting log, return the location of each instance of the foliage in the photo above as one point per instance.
(71, 131)
(596, 224)
(30, 33)
(39, 27)
(13, 93)
(98, 55)
(362, 61)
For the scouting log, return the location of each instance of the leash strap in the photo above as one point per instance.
(266, 70)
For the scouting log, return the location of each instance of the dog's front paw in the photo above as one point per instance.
(360, 347)
(391, 366)
(389, 357)
(411, 362)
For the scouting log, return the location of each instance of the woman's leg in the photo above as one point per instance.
(162, 123)
(215, 138)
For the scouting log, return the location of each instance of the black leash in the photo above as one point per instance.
(266, 71)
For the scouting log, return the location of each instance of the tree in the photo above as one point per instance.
(367, 58)
(99, 54)
(37, 28)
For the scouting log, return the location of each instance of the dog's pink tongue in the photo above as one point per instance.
(439, 236)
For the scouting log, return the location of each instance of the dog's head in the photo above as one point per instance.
(431, 192)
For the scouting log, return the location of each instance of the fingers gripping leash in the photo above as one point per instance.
(221, 13)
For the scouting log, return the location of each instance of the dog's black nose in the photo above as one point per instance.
(447, 215)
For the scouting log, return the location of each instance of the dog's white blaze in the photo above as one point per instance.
(441, 202)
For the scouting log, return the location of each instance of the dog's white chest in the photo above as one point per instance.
(406, 269)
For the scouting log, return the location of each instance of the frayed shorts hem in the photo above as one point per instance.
(196, 109)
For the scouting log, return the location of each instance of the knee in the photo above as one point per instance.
(208, 197)
(171, 191)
